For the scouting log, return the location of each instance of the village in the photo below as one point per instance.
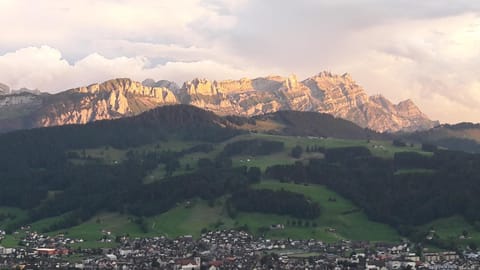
(227, 249)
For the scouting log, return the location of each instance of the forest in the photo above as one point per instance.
(37, 173)
(280, 202)
(411, 189)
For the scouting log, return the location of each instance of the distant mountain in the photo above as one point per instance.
(109, 100)
(26, 90)
(327, 93)
(163, 84)
(296, 123)
(462, 136)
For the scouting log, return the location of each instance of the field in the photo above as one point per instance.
(11, 215)
(337, 214)
(105, 225)
(340, 219)
(453, 229)
(384, 149)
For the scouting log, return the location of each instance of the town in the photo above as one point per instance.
(228, 249)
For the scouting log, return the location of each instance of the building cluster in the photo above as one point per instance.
(226, 249)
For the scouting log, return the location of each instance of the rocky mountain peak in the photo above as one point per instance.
(291, 82)
(408, 109)
(149, 82)
(337, 95)
(162, 84)
(122, 87)
(347, 76)
(407, 104)
(199, 86)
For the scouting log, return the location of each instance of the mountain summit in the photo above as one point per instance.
(338, 95)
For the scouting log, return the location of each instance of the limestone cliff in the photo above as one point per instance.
(325, 92)
(111, 99)
(328, 93)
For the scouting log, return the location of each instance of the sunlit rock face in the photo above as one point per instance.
(325, 92)
(338, 95)
(111, 99)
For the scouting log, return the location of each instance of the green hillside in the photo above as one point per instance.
(340, 219)
(180, 170)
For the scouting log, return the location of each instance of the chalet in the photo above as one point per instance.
(277, 227)
(330, 230)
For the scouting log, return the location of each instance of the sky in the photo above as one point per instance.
(428, 50)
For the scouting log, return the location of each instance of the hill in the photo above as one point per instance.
(328, 93)
(462, 136)
(147, 168)
(295, 123)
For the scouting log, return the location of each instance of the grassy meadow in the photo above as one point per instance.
(339, 219)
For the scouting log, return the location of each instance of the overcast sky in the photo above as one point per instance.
(426, 50)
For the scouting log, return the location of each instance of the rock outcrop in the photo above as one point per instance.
(111, 99)
(338, 95)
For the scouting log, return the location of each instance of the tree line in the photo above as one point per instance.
(400, 199)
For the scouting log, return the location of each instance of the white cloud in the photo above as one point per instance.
(434, 59)
(44, 68)
(425, 50)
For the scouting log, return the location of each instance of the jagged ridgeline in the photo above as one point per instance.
(328, 93)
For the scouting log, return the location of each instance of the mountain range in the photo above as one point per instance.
(338, 95)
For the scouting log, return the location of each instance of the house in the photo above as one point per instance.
(46, 251)
(111, 257)
(376, 265)
(331, 230)
(6, 251)
(391, 265)
(277, 227)
(412, 257)
(215, 265)
(431, 257)
(450, 256)
(187, 264)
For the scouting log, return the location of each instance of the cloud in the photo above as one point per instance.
(45, 69)
(424, 60)
(75, 26)
(425, 50)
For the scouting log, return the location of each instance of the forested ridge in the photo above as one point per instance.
(36, 172)
(39, 175)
